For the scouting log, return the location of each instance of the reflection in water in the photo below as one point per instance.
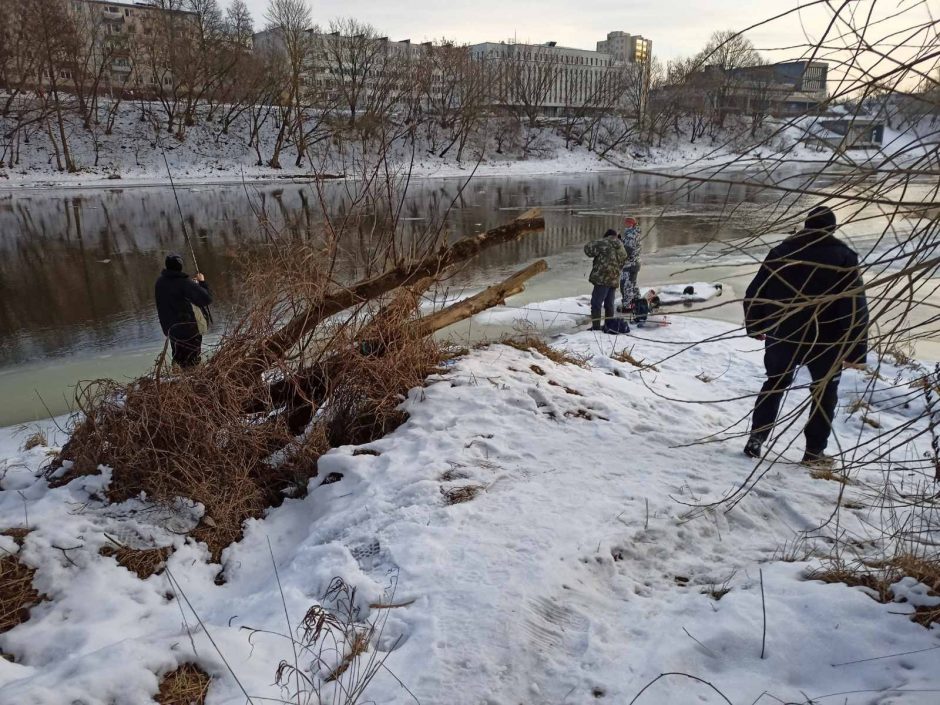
(77, 267)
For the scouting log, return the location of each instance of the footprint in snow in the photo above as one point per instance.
(373, 558)
(553, 626)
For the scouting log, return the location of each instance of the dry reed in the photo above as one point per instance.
(187, 685)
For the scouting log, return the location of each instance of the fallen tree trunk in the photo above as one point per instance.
(301, 394)
(492, 296)
(276, 346)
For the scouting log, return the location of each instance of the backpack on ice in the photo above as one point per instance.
(616, 325)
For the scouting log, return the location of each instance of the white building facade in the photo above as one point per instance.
(555, 80)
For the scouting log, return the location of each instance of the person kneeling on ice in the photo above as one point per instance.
(181, 307)
(631, 237)
(609, 258)
(807, 302)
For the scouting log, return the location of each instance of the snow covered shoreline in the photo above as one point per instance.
(567, 162)
(532, 523)
(535, 167)
(133, 157)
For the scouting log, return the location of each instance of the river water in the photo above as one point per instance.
(77, 267)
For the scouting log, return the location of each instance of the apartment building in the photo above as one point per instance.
(114, 49)
(127, 37)
(626, 48)
(370, 69)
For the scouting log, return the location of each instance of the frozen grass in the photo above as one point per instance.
(882, 578)
(17, 594)
(143, 562)
(627, 357)
(459, 495)
(539, 345)
(35, 439)
(187, 685)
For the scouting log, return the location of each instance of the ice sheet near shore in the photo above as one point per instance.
(577, 574)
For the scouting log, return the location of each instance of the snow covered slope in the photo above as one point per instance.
(576, 572)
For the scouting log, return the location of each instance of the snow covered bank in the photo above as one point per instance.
(230, 168)
(133, 155)
(526, 537)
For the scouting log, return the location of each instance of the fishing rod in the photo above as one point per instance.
(179, 208)
(189, 242)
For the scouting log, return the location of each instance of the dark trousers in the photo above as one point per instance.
(781, 360)
(187, 352)
(605, 296)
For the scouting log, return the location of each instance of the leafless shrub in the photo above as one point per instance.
(317, 360)
(232, 441)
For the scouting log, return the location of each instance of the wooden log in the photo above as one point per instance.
(411, 272)
(489, 297)
(301, 393)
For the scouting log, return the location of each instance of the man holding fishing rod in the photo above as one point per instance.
(182, 303)
(183, 308)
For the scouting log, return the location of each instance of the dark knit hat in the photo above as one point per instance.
(821, 218)
(174, 262)
(611, 233)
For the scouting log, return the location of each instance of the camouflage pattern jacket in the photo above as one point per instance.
(632, 243)
(609, 258)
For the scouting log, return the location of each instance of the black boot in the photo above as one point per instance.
(596, 319)
(754, 447)
(818, 460)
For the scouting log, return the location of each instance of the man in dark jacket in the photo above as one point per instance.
(609, 257)
(808, 304)
(180, 303)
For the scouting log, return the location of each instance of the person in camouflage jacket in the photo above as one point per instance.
(609, 257)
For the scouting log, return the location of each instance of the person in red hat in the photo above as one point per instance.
(631, 237)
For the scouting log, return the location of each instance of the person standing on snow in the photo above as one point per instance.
(609, 258)
(631, 237)
(181, 303)
(807, 302)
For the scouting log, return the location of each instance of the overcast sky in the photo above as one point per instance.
(677, 27)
